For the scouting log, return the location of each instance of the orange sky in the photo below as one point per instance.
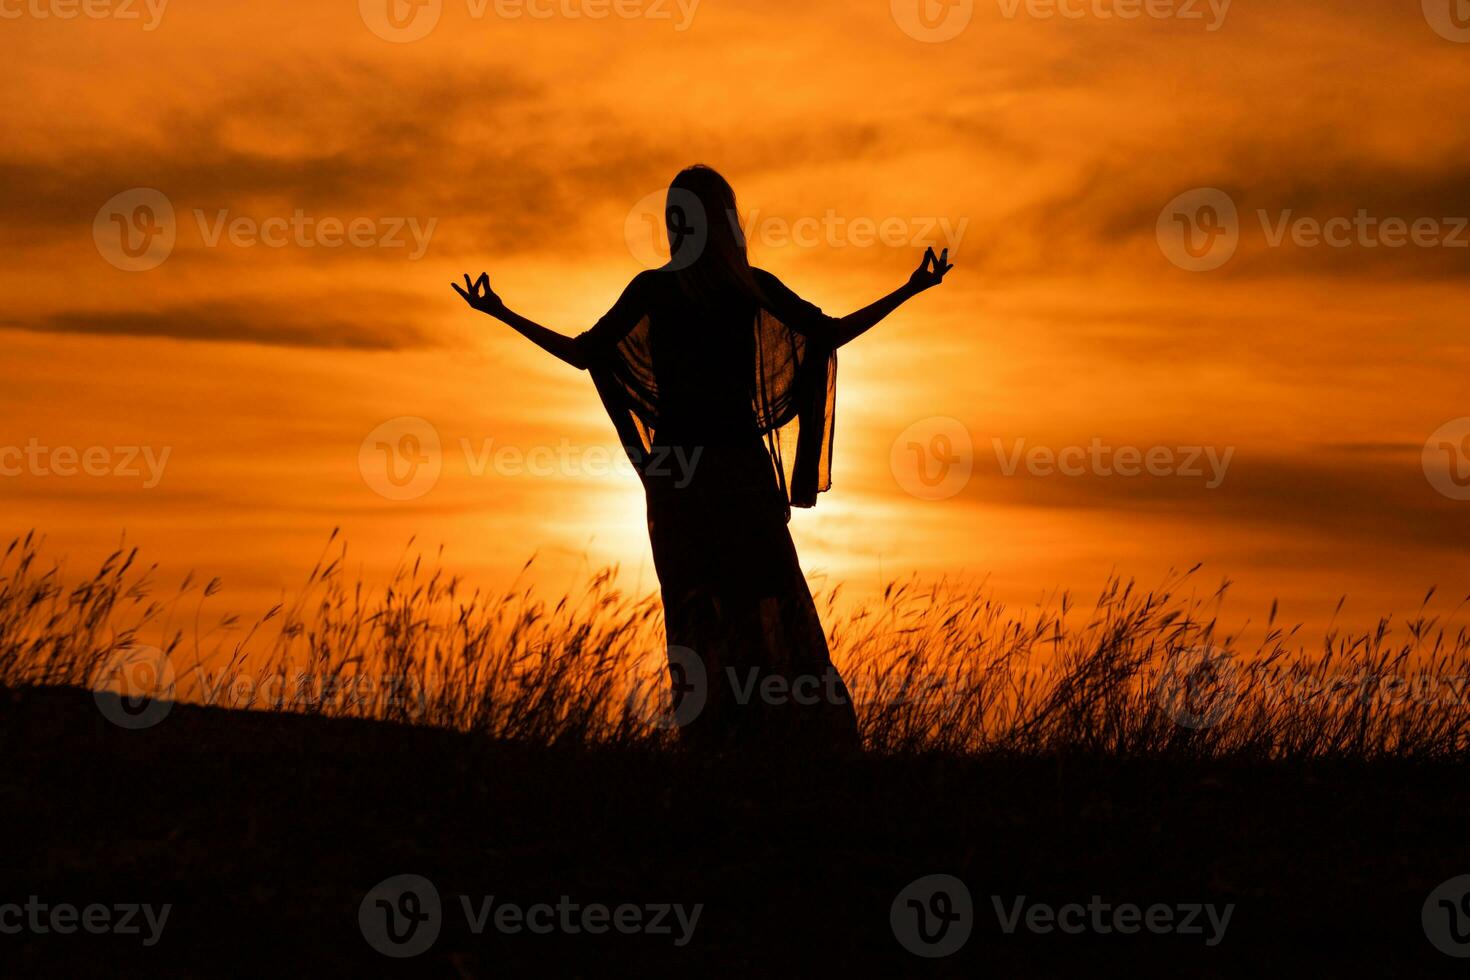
(1042, 149)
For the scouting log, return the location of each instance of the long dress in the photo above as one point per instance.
(728, 417)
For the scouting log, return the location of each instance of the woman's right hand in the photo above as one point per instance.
(931, 270)
(479, 295)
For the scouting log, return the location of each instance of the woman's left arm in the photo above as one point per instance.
(930, 273)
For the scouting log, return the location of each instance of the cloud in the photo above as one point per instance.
(1372, 494)
(369, 142)
(1107, 214)
(253, 322)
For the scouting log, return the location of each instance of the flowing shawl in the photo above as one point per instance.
(792, 379)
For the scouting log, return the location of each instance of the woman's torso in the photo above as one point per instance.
(703, 361)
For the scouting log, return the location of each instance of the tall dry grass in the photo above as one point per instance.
(933, 666)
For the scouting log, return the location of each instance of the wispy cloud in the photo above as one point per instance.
(320, 322)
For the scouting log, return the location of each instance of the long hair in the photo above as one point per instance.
(706, 245)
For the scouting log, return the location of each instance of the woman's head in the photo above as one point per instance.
(706, 246)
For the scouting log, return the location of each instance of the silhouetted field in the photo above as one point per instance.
(1065, 766)
(932, 666)
(266, 831)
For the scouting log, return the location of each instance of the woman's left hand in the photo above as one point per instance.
(931, 270)
(479, 294)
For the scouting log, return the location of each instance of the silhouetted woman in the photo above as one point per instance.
(721, 383)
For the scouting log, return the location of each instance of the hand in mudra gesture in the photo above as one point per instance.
(931, 270)
(479, 294)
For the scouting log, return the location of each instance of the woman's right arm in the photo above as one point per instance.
(481, 297)
(576, 351)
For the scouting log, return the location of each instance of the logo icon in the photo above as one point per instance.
(134, 689)
(1199, 686)
(677, 703)
(933, 458)
(933, 916)
(1447, 459)
(401, 459)
(401, 916)
(932, 21)
(667, 229)
(1199, 230)
(1449, 18)
(135, 230)
(400, 21)
(1446, 917)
